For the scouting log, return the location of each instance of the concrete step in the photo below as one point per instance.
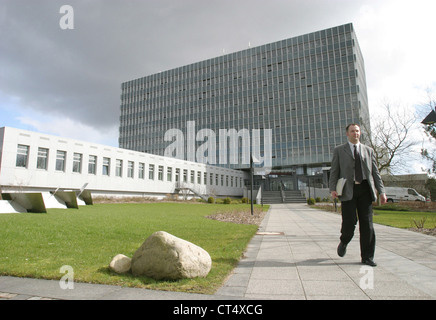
(273, 197)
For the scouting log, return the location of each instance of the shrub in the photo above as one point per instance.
(392, 207)
(211, 200)
(311, 201)
(244, 200)
(227, 200)
(419, 223)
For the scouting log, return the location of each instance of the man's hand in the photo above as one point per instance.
(383, 198)
(334, 194)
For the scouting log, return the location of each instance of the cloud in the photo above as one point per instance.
(76, 75)
(395, 39)
(66, 127)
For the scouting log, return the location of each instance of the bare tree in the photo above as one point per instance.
(389, 136)
(428, 151)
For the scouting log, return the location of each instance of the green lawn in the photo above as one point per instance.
(38, 245)
(405, 219)
(403, 215)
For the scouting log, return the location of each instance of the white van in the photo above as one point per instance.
(395, 194)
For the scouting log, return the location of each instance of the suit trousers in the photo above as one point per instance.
(362, 204)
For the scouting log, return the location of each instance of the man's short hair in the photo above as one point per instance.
(351, 124)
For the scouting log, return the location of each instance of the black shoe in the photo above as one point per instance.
(342, 249)
(369, 262)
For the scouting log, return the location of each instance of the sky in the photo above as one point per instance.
(67, 82)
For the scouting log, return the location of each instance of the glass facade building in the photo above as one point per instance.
(305, 89)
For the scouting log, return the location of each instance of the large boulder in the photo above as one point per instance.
(164, 256)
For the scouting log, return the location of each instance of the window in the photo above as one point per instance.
(192, 176)
(141, 168)
(151, 172)
(106, 166)
(60, 160)
(92, 164)
(41, 162)
(412, 192)
(77, 162)
(160, 173)
(199, 177)
(169, 174)
(22, 155)
(185, 175)
(177, 174)
(130, 169)
(119, 168)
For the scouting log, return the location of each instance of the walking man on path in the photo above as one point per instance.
(355, 162)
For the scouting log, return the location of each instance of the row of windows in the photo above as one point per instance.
(261, 105)
(142, 114)
(286, 128)
(287, 80)
(221, 112)
(330, 39)
(194, 177)
(202, 76)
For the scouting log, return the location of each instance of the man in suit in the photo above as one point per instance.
(356, 163)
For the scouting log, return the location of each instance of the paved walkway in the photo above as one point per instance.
(293, 256)
(301, 261)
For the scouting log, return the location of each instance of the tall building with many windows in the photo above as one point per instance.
(299, 92)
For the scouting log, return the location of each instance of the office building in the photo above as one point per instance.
(36, 162)
(300, 93)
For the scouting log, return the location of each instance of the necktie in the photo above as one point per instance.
(358, 175)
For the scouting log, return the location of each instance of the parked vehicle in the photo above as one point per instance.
(395, 194)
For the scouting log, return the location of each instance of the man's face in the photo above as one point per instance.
(353, 134)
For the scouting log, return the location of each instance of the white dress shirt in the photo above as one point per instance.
(358, 150)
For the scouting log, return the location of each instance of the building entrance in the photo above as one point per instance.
(282, 181)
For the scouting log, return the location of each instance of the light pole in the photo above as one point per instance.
(252, 180)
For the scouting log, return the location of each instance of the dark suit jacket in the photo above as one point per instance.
(343, 167)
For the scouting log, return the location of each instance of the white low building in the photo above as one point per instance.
(36, 162)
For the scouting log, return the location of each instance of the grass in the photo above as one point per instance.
(405, 215)
(405, 219)
(38, 245)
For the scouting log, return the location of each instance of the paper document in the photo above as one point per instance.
(340, 186)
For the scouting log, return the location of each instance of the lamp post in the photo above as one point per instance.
(252, 179)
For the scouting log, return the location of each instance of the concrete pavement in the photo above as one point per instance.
(293, 256)
(296, 259)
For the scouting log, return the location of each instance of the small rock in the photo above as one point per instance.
(164, 256)
(120, 264)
